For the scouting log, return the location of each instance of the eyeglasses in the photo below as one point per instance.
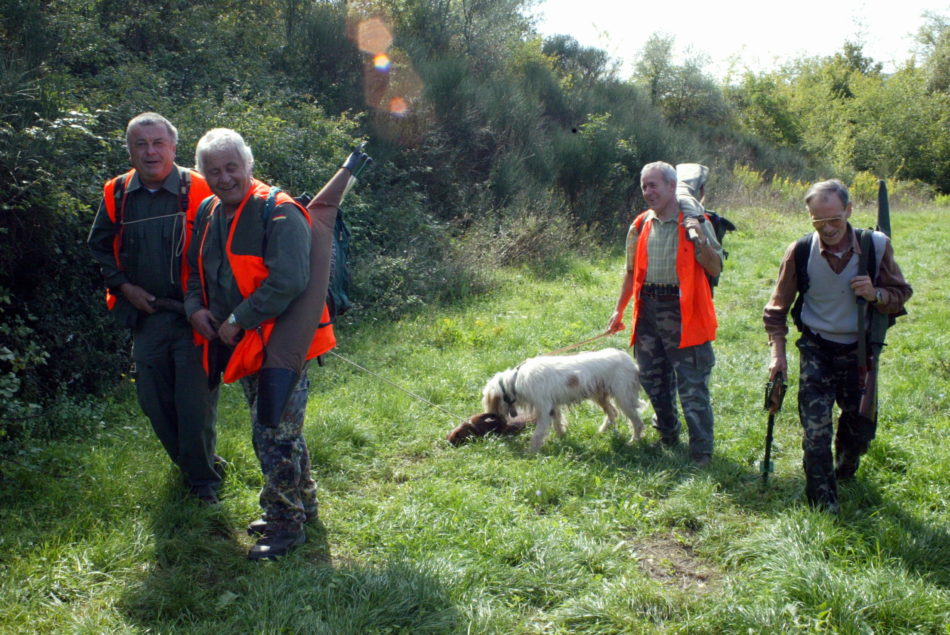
(818, 223)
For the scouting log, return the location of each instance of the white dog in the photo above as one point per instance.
(541, 385)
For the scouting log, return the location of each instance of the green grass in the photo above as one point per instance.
(591, 535)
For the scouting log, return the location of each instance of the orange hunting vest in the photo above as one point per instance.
(249, 273)
(191, 185)
(698, 315)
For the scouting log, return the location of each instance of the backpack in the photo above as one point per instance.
(721, 225)
(341, 280)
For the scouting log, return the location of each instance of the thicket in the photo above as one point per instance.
(492, 144)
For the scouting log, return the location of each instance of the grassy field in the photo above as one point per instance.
(591, 535)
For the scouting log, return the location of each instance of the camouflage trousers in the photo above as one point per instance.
(666, 369)
(829, 376)
(289, 494)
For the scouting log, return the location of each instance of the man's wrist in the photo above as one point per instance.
(233, 321)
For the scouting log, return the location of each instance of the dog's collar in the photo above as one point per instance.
(509, 399)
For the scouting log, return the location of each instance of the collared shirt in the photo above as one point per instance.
(661, 248)
(152, 239)
(894, 289)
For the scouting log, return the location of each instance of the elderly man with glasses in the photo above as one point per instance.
(826, 313)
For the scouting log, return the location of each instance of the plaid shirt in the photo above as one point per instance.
(661, 248)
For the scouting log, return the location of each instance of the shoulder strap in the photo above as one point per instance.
(184, 185)
(801, 254)
(268, 210)
(802, 251)
(119, 193)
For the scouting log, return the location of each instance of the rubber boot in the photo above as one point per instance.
(274, 387)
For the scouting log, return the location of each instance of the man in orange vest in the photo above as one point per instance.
(250, 257)
(138, 238)
(674, 321)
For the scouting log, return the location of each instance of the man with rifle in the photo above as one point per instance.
(844, 280)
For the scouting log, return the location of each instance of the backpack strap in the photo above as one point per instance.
(802, 251)
(269, 205)
(184, 186)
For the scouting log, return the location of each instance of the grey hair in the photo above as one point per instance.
(668, 171)
(219, 139)
(150, 119)
(825, 188)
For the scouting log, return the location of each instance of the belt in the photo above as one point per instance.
(654, 290)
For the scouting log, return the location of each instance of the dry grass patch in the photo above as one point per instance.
(672, 561)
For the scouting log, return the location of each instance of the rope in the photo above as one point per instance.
(573, 346)
(397, 386)
(435, 405)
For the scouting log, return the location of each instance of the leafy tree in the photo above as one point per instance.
(934, 40)
(684, 93)
(763, 107)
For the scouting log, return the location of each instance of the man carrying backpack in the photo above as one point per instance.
(674, 320)
(254, 266)
(139, 237)
(823, 270)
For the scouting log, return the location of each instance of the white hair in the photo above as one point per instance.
(667, 170)
(222, 139)
(151, 119)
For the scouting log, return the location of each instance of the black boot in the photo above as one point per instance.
(278, 539)
(274, 387)
(259, 526)
(847, 466)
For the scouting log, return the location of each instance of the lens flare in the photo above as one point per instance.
(382, 63)
(373, 36)
(398, 107)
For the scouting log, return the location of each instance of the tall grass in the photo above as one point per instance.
(591, 535)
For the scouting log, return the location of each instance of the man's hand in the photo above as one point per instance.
(778, 366)
(356, 158)
(615, 325)
(694, 229)
(137, 297)
(230, 333)
(203, 322)
(862, 286)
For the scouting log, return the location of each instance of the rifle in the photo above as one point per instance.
(774, 396)
(871, 335)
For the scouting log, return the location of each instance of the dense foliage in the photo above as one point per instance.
(492, 145)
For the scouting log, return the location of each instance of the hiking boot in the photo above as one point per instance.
(206, 495)
(278, 539)
(669, 441)
(701, 460)
(847, 467)
(259, 526)
(828, 505)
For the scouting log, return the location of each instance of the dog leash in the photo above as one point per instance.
(435, 405)
(573, 346)
(397, 386)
